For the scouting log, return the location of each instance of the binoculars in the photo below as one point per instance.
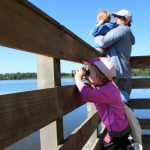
(87, 73)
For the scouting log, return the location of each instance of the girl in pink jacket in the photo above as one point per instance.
(104, 93)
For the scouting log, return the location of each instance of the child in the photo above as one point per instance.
(103, 92)
(102, 27)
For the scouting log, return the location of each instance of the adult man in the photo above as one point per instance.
(120, 41)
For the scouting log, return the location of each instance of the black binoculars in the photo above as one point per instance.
(87, 73)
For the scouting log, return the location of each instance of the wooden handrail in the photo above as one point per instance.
(145, 123)
(33, 31)
(140, 83)
(140, 103)
(140, 62)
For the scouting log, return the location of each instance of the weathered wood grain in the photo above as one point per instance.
(139, 103)
(140, 83)
(140, 62)
(146, 142)
(25, 112)
(100, 139)
(79, 137)
(27, 28)
(145, 123)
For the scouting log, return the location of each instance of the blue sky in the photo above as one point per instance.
(79, 16)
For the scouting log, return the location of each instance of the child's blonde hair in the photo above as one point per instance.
(103, 15)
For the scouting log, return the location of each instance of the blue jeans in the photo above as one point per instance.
(124, 96)
(124, 84)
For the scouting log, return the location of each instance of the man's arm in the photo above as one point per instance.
(111, 37)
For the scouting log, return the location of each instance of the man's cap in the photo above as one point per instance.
(123, 13)
(105, 65)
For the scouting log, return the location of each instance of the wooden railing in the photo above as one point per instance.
(25, 27)
(142, 103)
(141, 62)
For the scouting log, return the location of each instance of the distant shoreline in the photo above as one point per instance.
(33, 75)
(28, 75)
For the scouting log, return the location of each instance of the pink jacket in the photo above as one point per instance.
(107, 99)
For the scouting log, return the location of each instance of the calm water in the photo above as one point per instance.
(71, 121)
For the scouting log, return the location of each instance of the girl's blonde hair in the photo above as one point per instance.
(103, 15)
(100, 75)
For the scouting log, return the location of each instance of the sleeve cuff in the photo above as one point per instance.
(80, 85)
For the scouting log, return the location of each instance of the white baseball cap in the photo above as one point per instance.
(105, 65)
(123, 13)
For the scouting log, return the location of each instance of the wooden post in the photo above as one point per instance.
(48, 74)
(89, 145)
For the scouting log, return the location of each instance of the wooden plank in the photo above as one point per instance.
(100, 139)
(146, 142)
(140, 62)
(145, 123)
(89, 144)
(146, 146)
(59, 121)
(25, 112)
(139, 103)
(146, 139)
(25, 27)
(79, 137)
(142, 83)
(48, 74)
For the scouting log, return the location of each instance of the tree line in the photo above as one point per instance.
(18, 76)
(28, 75)
(33, 75)
(140, 72)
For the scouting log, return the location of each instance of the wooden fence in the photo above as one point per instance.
(25, 27)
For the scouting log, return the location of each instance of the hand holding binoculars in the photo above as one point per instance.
(87, 72)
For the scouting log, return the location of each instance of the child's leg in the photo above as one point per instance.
(123, 142)
(110, 146)
(120, 143)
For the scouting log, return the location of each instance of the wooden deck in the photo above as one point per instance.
(25, 27)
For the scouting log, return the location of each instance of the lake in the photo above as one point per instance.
(71, 120)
